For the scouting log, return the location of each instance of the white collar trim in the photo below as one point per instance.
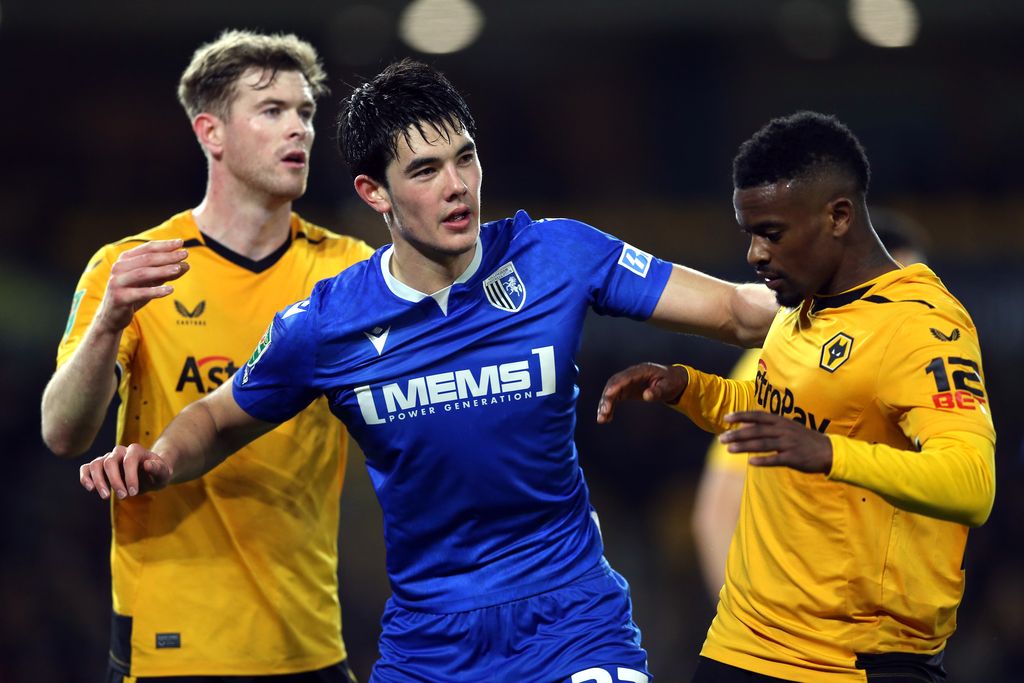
(404, 291)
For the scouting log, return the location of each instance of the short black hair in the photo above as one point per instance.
(406, 93)
(799, 146)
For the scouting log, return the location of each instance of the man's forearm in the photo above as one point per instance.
(951, 478)
(695, 303)
(753, 309)
(76, 399)
(205, 433)
(191, 445)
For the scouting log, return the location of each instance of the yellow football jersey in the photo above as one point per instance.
(234, 573)
(819, 569)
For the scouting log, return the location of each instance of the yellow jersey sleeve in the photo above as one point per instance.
(708, 398)
(86, 302)
(933, 387)
(951, 478)
(718, 457)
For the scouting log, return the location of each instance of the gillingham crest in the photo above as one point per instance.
(505, 289)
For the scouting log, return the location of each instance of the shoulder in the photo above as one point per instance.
(351, 288)
(329, 244)
(924, 320)
(917, 294)
(559, 234)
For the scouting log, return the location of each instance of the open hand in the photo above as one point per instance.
(647, 382)
(138, 276)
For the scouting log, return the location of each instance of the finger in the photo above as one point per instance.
(752, 416)
(154, 246)
(98, 477)
(766, 461)
(147, 276)
(97, 474)
(128, 261)
(611, 394)
(747, 431)
(763, 445)
(132, 459)
(112, 464)
(85, 478)
(619, 382)
(606, 409)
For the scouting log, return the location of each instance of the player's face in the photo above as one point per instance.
(434, 193)
(792, 240)
(269, 133)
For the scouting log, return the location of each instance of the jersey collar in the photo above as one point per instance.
(820, 302)
(407, 293)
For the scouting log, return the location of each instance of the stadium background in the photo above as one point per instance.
(625, 115)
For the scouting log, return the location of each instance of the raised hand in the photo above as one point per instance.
(647, 382)
(137, 277)
(127, 471)
(789, 443)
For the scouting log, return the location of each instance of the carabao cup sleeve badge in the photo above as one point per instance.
(261, 348)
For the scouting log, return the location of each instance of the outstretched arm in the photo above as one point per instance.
(695, 303)
(197, 440)
(76, 398)
(952, 477)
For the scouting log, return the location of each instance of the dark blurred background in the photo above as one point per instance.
(625, 115)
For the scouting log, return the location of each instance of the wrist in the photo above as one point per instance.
(682, 373)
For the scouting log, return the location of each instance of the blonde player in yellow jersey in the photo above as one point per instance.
(720, 489)
(234, 574)
(871, 425)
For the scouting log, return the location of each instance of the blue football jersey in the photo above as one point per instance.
(464, 402)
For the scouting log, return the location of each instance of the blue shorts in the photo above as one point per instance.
(582, 632)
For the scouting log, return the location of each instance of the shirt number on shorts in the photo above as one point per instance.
(597, 675)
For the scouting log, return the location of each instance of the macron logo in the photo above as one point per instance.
(377, 337)
(295, 309)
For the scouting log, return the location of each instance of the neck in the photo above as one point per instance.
(860, 265)
(248, 223)
(427, 273)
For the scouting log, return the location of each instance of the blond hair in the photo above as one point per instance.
(210, 82)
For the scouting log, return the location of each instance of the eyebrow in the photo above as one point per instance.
(762, 226)
(420, 162)
(276, 101)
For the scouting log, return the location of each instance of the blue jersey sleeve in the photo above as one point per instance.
(277, 380)
(621, 279)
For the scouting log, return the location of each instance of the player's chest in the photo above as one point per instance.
(206, 329)
(821, 374)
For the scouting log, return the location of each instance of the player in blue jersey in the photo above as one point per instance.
(450, 357)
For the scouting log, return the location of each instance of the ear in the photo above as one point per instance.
(209, 131)
(373, 193)
(841, 212)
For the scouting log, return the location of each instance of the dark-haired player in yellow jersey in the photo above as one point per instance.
(716, 506)
(871, 425)
(234, 574)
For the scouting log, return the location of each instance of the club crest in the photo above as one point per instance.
(835, 352)
(505, 289)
